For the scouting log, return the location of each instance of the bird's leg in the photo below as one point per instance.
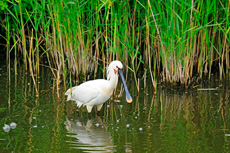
(89, 109)
(98, 109)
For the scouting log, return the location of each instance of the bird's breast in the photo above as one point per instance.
(106, 91)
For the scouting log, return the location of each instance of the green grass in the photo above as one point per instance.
(176, 39)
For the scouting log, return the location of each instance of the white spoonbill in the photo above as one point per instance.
(96, 92)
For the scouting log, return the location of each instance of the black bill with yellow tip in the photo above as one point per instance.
(127, 95)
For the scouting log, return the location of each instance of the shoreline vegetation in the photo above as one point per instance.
(181, 41)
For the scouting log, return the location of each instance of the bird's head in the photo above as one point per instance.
(113, 68)
(116, 67)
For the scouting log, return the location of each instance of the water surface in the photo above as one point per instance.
(170, 120)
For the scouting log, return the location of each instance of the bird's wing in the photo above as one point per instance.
(84, 94)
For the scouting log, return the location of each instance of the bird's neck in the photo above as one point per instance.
(113, 81)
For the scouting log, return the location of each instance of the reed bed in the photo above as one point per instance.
(177, 40)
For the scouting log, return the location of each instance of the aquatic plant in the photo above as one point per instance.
(179, 40)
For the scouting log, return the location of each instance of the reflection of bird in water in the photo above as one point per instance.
(91, 135)
(96, 92)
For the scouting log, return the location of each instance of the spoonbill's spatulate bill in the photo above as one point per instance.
(96, 92)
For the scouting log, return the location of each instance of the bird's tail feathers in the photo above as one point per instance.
(68, 93)
(70, 90)
(69, 98)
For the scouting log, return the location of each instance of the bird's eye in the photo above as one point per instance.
(116, 66)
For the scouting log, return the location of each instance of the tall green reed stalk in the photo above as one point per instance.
(176, 39)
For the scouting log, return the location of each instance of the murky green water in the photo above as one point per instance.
(168, 121)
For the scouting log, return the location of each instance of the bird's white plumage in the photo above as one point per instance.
(96, 92)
